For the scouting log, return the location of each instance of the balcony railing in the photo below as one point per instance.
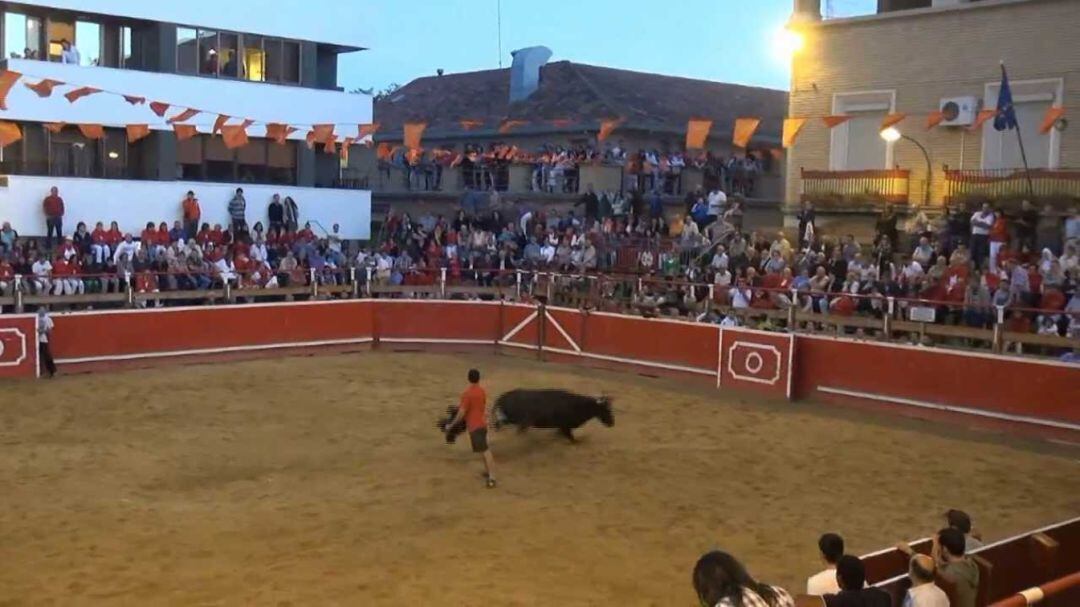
(1000, 185)
(855, 188)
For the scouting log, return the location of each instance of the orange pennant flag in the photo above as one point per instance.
(247, 122)
(136, 132)
(792, 126)
(364, 130)
(935, 118)
(345, 148)
(1053, 114)
(234, 135)
(469, 124)
(323, 132)
(309, 138)
(278, 132)
(892, 120)
(607, 127)
(183, 116)
(9, 133)
(330, 145)
(218, 123)
(744, 131)
(159, 108)
(79, 93)
(834, 121)
(54, 127)
(414, 132)
(92, 131)
(508, 125)
(135, 99)
(45, 87)
(8, 79)
(383, 151)
(982, 117)
(184, 131)
(697, 131)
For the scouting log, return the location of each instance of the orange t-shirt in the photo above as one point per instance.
(474, 403)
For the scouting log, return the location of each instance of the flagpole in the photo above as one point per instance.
(1020, 140)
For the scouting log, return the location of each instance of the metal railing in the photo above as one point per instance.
(855, 188)
(1011, 184)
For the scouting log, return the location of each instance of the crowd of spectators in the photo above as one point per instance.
(555, 168)
(721, 580)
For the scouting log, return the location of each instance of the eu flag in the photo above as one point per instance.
(1006, 113)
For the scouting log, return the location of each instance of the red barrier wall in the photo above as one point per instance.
(998, 384)
(18, 346)
(1041, 394)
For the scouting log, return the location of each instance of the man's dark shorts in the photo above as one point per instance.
(478, 438)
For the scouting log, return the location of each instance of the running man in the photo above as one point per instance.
(473, 410)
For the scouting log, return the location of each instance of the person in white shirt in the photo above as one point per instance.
(44, 330)
(720, 258)
(69, 54)
(42, 269)
(258, 251)
(831, 546)
(981, 222)
(923, 591)
(717, 204)
(225, 269)
(126, 247)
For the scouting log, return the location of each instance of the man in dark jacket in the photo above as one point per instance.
(592, 204)
(851, 575)
(276, 213)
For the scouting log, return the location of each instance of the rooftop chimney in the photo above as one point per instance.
(525, 71)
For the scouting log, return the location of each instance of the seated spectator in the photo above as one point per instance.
(958, 519)
(7, 275)
(721, 581)
(127, 248)
(851, 576)
(831, 546)
(41, 267)
(953, 566)
(924, 592)
(81, 239)
(66, 277)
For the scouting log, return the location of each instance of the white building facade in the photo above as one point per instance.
(220, 62)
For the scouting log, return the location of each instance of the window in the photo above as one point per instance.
(115, 157)
(187, 51)
(72, 155)
(88, 42)
(208, 53)
(229, 55)
(291, 61)
(22, 36)
(205, 158)
(1031, 99)
(254, 58)
(272, 54)
(857, 144)
(58, 32)
(125, 46)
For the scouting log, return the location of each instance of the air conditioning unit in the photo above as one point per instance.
(959, 111)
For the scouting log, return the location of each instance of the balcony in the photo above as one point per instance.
(258, 101)
(1048, 186)
(855, 189)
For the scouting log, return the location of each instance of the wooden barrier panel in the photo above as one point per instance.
(964, 382)
(447, 322)
(665, 344)
(84, 337)
(756, 360)
(18, 346)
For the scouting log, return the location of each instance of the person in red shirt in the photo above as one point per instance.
(114, 236)
(999, 237)
(473, 410)
(99, 246)
(7, 276)
(66, 277)
(216, 236)
(162, 237)
(53, 206)
(203, 237)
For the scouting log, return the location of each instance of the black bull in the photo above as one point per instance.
(559, 409)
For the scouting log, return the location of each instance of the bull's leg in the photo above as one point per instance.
(568, 433)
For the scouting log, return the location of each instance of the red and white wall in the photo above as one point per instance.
(1028, 393)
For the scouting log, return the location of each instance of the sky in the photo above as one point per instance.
(722, 40)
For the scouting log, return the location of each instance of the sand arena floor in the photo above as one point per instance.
(322, 481)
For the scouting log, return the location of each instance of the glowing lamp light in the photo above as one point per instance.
(891, 135)
(787, 43)
(113, 154)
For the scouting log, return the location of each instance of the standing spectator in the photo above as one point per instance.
(292, 214)
(721, 581)
(8, 236)
(717, 204)
(276, 213)
(44, 329)
(958, 519)
(886, 225)
(238, 211)
(591, 203)
(981, 222)
(68, 53)
(1027, 221)
(923, 591)
(1048, 229)
(851, 575)
(191, 215)
(53, 206)
(807, 225)
(999, 236)
(831, 546)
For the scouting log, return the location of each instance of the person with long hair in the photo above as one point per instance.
(720, 580)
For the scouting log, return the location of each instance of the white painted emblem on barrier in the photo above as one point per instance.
(16, 359)
(753, 362)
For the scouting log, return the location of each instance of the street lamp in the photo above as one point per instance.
(892, 135)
